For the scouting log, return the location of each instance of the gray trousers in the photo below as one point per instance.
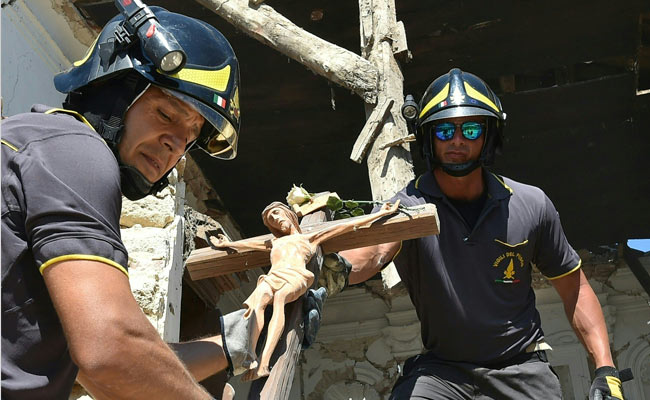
(428, 378)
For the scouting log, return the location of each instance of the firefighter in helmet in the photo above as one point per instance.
(154, 85)
(471, 284)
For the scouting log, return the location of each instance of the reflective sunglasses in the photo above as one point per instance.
(471, 130)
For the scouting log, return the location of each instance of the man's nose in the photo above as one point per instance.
(458, 135)
(174, 141)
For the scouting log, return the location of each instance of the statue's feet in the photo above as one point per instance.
(256, 373)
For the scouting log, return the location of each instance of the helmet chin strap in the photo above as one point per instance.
(461, 169)
(134, 185)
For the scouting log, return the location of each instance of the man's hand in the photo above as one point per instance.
(606, 385)
(334, 273)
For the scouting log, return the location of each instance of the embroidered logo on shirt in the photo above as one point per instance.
(508, 261)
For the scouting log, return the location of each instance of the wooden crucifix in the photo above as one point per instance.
(407, 223)
(288, 279)
(333, 236)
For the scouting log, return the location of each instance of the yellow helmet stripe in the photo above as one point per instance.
(217, 80)
(471, 92)
(436, 99)
(88, 53)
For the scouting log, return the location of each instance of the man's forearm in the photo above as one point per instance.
(203, 358)
(586, 317)
(367, 261)
(119, 353)
(589, 324)
(153, 371)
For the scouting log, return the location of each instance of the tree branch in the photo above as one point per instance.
(335, 63)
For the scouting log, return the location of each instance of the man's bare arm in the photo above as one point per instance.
(117, 350)
(585, 315)
(203, 357)
(367, 261)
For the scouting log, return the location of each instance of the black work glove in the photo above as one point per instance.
(606, 385)
(334, 273)
(312, 306)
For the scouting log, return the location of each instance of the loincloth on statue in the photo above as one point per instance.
(299, 279)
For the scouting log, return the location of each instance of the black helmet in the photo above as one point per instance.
(456, 94)
(118, 67)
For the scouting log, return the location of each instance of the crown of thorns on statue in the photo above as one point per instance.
(289, 212)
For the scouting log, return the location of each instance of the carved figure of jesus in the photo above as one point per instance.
(288, 278)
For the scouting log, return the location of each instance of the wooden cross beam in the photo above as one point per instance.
(407, 223)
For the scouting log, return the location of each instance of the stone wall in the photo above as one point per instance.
(152, 230)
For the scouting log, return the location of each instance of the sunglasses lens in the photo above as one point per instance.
(472, 130)
(444, 131)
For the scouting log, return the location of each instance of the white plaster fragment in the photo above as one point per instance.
(152, 211)
(350, 391)
(366, 373)
(314, 366)
(404, 341)
(379, 353)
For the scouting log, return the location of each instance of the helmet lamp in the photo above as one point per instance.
(410, 108)
(158, 43)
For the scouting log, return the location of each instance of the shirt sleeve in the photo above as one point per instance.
(554, 256)
(72, 195)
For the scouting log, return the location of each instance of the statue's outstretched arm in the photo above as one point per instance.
(222, 242)
(319, 237)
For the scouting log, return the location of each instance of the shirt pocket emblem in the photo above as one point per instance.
(509, 261)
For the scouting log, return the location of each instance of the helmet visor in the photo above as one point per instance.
(218, 136)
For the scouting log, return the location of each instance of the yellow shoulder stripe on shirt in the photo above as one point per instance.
(503, 183)
(417, 182)
(11, 146)
(401, 244)
(86, 257)
(566, 273)
(70, 112)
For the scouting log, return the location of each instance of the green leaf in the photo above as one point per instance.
(357, 212)
(341, 215)
(351, 204)
(334, 203)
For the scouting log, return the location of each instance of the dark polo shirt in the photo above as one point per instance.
(471, 287)
(61, 201)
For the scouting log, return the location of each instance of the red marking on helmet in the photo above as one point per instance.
(151, 30)
(126, 2)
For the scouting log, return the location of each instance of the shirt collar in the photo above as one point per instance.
(496, 187)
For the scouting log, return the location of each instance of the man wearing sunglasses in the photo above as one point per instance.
(471, 284)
